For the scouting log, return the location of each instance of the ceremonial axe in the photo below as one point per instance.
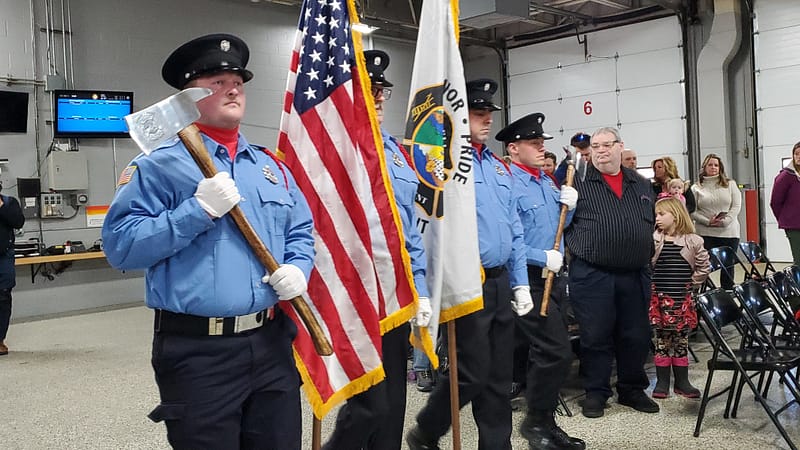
(158, 123)
(562, 219)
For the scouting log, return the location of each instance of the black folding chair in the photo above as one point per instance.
(787, 296)
(767, 315)
(719, 310)
(755, 256)
(757, 303)
(724, 259)
(793, 272)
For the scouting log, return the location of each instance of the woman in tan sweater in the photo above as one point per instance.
(716, 216)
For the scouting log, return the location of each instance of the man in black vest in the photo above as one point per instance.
(611, 242)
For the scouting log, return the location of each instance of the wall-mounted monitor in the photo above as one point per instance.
(91, 114)
(13, 112)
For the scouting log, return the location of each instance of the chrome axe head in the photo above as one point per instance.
(160, 122)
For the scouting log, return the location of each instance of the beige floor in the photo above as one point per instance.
(84, 382)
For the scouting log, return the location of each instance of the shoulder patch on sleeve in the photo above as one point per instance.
(126, 175)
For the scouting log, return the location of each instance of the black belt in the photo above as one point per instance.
(189, 325)
(535, 274)
(493, 272)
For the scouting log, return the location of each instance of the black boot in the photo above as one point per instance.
(662, 382)
(418, 440)
(542, 433)
(682, 385)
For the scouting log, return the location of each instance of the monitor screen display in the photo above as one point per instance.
(13, 112)
(85, 114)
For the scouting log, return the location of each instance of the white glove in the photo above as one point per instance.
(522, 303)
(554, 260)
(424, 312)
(569, 197)
(288, 281)
(217, 195)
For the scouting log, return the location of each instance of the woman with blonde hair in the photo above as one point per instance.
(664, 170)
(680, 266)
(718, 204)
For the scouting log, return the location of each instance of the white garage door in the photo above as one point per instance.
(632, 79)
(777, 61)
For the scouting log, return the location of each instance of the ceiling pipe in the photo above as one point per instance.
(597, 24)
(675, 5)
(559, 11)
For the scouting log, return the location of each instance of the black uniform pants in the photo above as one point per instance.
(374, 419)
(230, 392)
(484, 345)
(549, 353)
(611, 308)
(709, 242)
(5, 312)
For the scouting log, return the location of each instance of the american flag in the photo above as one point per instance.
(361, 283)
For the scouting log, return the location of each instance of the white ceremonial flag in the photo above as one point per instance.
(437, 136)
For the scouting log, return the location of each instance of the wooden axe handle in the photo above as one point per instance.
(562, 219)
(190, 136)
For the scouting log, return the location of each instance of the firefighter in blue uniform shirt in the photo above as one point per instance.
(374, 419)
(222, 351)
(548, 350)
(485, 339)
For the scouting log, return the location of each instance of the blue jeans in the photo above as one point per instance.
(421, 361)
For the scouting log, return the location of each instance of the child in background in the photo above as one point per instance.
(680, 266)
(550, 162)
(675, 189)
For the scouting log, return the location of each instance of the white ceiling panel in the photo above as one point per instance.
(636, 38)
(776, 14)
(651, 103)
(650, 68)
(551, 54)
(777, 125)
(777, 60)
(785, 76)
(649, 106)
(568, 82)
(668, 140)
(778, 48)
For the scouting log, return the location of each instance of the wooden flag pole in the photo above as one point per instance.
(455, 418)
(316, 433)
(548, 284)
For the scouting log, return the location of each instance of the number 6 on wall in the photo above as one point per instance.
(587, 108)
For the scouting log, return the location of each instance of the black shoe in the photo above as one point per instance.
(639, 401)
(516, 390)
(416, 440)
(594, 406)
(566, 441)
(424, 381)
(544, 436)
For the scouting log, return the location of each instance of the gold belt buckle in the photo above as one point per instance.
(248, 322)
(215, 326)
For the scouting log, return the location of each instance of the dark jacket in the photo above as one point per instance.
(608, 231)
(10, 218)
(785, 200)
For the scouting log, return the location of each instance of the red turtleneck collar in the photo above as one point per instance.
(536, 173)
(478, 148)
(229, 137)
